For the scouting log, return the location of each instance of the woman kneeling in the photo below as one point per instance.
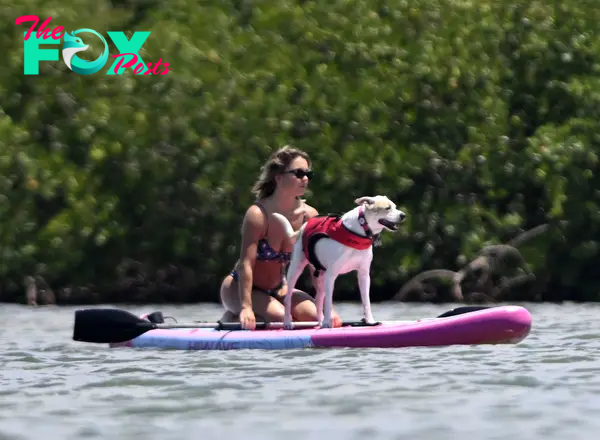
(256, 286)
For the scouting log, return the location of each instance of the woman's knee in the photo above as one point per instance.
(299, 296)
(303, 306)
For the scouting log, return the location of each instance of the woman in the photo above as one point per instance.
(256, 285)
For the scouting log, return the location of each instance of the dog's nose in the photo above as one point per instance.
(402, 216)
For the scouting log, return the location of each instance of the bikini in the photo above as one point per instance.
(267, 253)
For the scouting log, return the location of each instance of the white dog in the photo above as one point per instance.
(337, 245)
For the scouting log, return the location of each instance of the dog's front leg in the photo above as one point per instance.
(364, 285)
(295, 268)
(319, 284)
(328, 285)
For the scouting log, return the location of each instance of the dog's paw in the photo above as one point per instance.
(288, 325)
(369, 321)
(325, 324)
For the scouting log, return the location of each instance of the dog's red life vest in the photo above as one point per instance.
(332, 227)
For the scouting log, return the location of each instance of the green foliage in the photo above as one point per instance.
(479, 118)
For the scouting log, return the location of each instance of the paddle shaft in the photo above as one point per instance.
(259, 325)
(310, 324)
(305, 324)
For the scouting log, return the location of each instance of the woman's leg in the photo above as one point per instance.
(269, 308)
(265, 307)
(304, 308)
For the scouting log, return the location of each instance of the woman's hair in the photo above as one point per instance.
(276, 164)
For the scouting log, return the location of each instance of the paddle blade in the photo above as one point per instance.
(108, 326)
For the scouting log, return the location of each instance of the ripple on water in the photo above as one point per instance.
(119, 382)
(7, 435)
(515, 380)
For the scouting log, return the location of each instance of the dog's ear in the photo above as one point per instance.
(367, 200)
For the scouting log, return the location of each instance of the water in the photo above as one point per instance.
(547, 387)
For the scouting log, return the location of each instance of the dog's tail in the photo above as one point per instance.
(289, 230)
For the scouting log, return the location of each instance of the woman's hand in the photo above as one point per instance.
(247, 318)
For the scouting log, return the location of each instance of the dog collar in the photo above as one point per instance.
(362, 221)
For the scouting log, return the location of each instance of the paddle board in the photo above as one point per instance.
(496, 325)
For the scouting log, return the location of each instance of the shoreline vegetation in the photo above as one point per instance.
(479, 119)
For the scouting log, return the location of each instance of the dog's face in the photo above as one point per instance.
(381, 212)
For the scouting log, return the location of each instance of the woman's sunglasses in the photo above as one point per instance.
(300, 173)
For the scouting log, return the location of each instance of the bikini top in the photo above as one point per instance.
(265, 251)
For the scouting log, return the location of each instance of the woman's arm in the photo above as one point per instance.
(252, 228)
